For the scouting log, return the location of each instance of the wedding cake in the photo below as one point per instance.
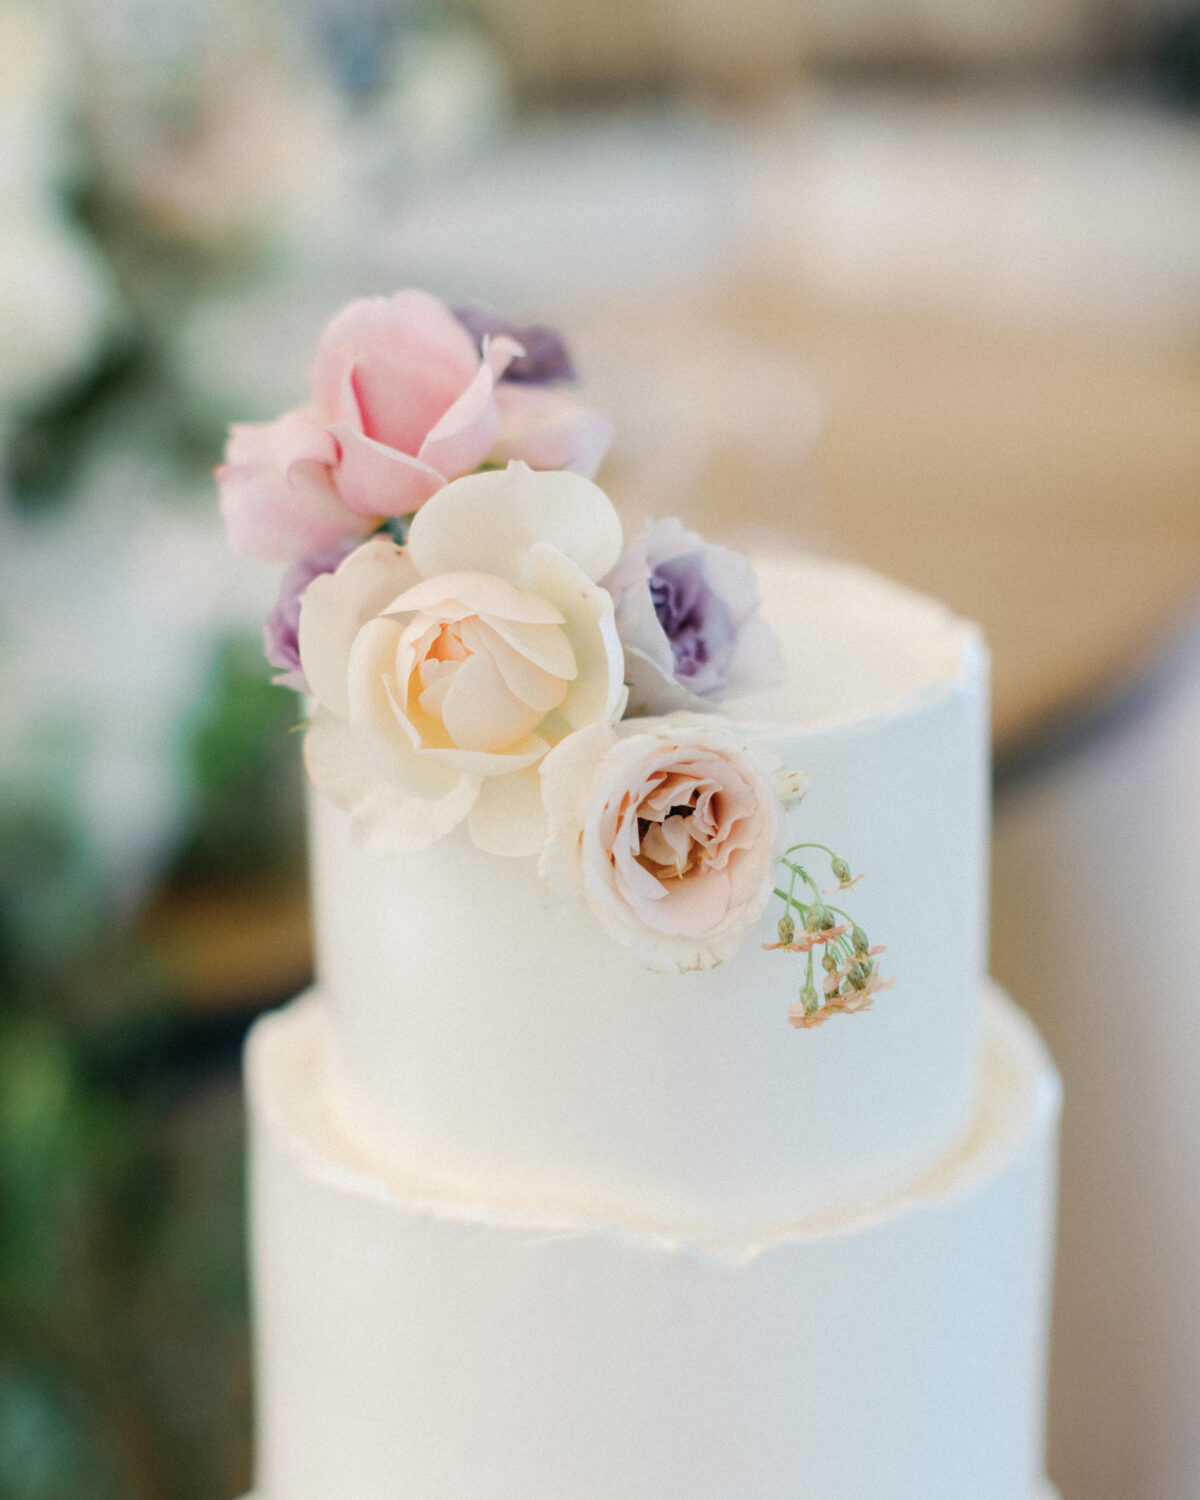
(603, 1162)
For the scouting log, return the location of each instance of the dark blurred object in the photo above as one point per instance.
(1175, 59)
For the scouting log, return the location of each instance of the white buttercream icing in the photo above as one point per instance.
(503, 1047)
(418, 1348)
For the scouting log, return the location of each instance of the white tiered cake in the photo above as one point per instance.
(533, 1223)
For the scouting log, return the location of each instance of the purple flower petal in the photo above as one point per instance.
(545, 360)
(695, 620)
(281, 631)
(687, 615)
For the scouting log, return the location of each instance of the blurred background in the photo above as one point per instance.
(912, 281)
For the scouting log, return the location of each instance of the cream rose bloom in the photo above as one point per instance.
(668, 833)
(446, 669)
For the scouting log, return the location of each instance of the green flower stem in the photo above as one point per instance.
(824, 848)
(807, 878)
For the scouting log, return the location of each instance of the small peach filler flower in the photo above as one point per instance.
(852, 978)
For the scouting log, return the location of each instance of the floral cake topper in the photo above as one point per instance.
(479, 645)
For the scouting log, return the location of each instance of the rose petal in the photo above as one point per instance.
(277, 496)
(548, 429)
(408, 359)
(598, 796)
(507, 817)
(567, 772)
(549, 649)
(526, 752)
(334, 608)
(598, 692)
(385, 822)
(729, 574)
(376, 480)
(654, 691)
(757, 662)
(376, 718)
(481, 713)
(475, 594)
(530, 683)
(488, 522)
(635, 885)
(464, 435)
(694, 906)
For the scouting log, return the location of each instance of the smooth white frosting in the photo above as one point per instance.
(494, 1048)
(420, 1348)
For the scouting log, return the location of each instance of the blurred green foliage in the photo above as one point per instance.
(244, 766)
(123, 1333)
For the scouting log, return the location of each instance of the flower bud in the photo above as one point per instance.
(787, 929)
(827, 919)
(841, 870)
(860, 940)
(809, 997)
(829, 962)
(812, 919)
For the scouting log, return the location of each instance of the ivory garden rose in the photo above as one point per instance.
(445, 670)
(667, 831)
(404, 400)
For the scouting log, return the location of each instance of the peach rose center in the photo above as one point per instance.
(478, 682)
(675, 843)
(679, 826)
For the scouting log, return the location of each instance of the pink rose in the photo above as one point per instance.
(548, 429)
(667, 833)
(277, 491)
(541, 423)
(403, 403)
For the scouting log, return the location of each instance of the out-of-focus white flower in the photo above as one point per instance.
(56, 296)
(56, 303)
(109, 614)
(36, 76)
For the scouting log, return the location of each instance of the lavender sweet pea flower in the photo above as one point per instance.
(545, 360)
(687, 615)
(280, 632)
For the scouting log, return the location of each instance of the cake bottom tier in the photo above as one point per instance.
(437, 1350)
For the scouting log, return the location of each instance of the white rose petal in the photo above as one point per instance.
(597, 689)
(385, 822)
(488, 523)
(337, 605)
(507, 817)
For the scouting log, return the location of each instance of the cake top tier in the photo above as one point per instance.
(855, 645)
(502, 1043)
(592, 808)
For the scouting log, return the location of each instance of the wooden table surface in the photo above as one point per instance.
(1046, 485)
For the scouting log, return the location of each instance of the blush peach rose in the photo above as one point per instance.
(445, 670)
(667, 832)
